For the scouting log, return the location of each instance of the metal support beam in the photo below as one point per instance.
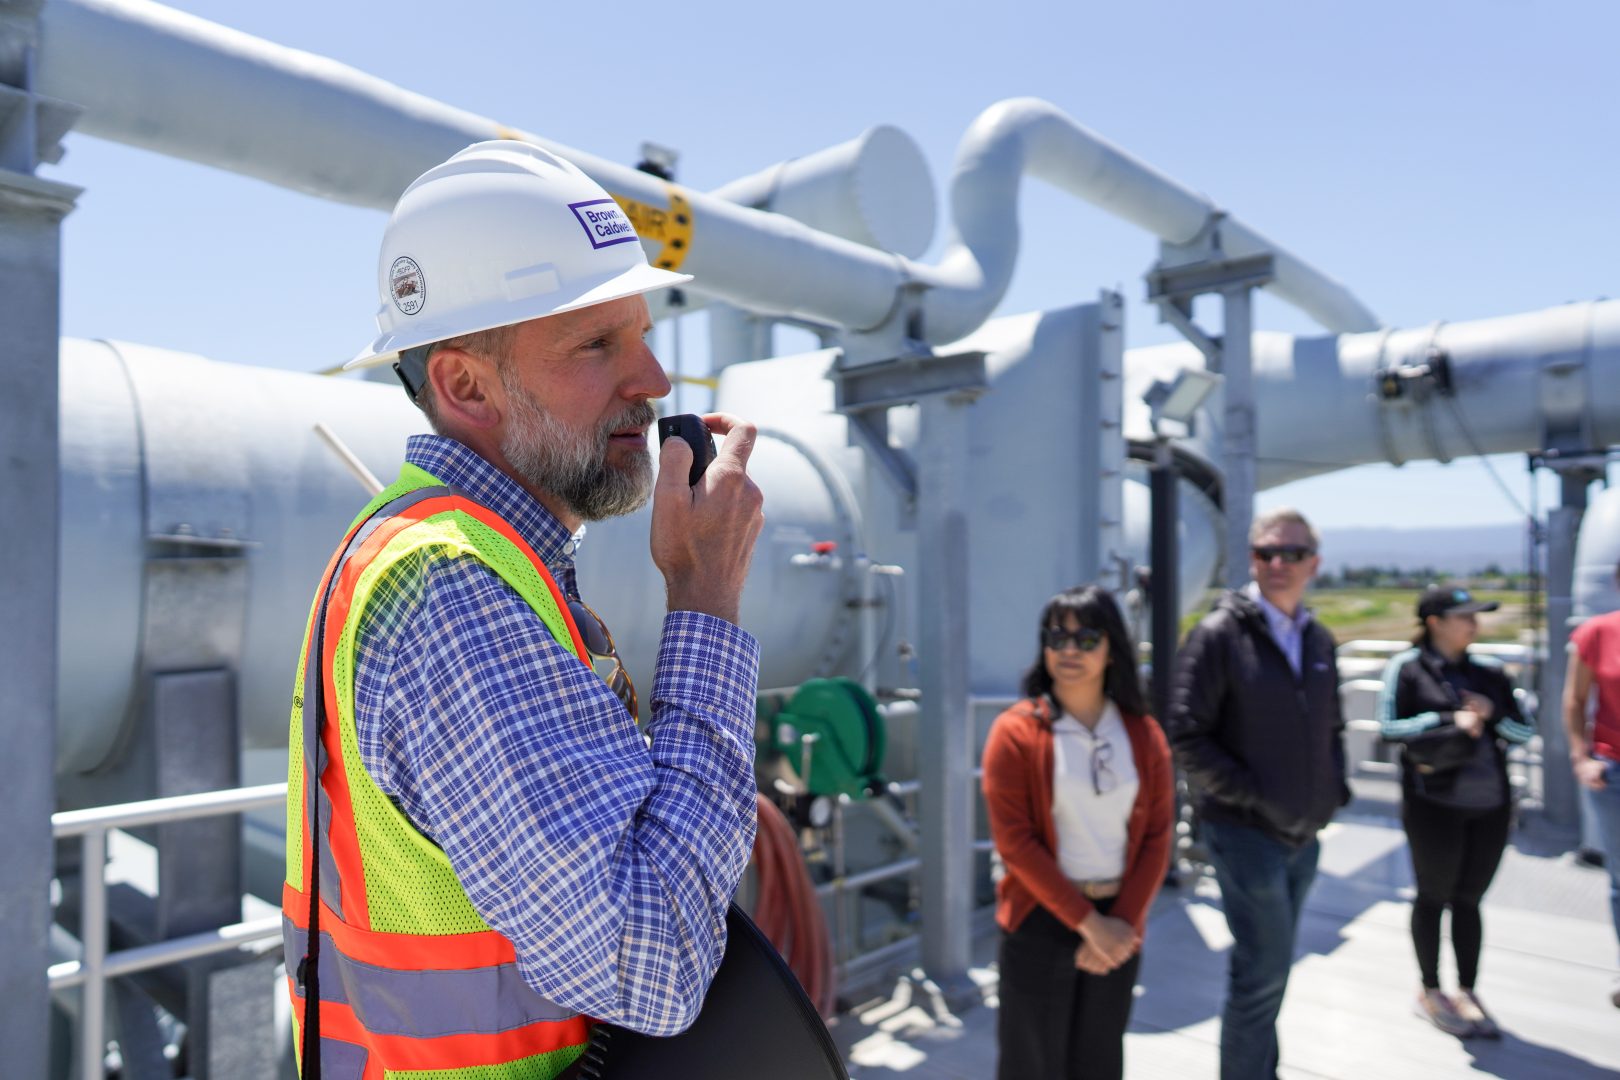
(934, 481)
(1182, 275)
(945, 801)
(31, 213)
(1238, 430)
(1561, 803)
(865, 392)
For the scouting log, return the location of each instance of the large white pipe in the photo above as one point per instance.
(180, 85)
(157, 78)
(1515, 381)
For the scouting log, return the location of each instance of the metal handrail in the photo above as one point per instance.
(96, 966)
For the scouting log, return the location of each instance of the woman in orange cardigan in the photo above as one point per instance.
(1078, 785)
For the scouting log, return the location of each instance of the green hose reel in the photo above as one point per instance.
(830, 734)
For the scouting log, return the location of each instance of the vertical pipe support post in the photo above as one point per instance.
(946, 756)
(1182, 274)
(31, 213)
(1560, 799)
(1238, 428)
(934, 478)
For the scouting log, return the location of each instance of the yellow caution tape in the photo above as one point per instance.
(669, 226)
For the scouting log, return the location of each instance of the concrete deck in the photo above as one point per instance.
(1547, 971)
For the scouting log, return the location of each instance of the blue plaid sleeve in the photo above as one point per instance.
(608, 859)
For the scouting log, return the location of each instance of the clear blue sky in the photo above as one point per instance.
(1445, 159)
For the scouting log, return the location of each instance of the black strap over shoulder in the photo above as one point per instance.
(309, 974)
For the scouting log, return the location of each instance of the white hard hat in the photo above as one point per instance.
(501, 233)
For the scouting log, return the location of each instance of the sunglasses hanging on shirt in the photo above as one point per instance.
(604, 655)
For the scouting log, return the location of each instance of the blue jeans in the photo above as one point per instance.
(1603, 811)
(1263, 885)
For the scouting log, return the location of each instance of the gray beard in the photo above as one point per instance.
(573, 466)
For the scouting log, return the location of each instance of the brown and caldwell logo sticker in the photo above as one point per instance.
(407, 285)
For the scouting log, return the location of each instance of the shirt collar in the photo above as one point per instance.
(1274, 614)
(458, 466)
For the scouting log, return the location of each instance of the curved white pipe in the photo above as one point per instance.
(1028, 136)
(157, 78)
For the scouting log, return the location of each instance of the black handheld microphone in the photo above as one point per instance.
(690, 427)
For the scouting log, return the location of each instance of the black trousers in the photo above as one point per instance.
(1455, 853)
(1056, 1022)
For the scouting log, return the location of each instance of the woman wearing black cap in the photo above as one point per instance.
(1451, 712)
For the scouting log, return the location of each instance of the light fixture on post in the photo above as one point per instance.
(1171, 406)
(1175, 402)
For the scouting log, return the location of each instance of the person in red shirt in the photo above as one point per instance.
(1081, 800)
(1594, 678)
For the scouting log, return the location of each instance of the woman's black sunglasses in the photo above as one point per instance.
(1085, 639)
(604, 656)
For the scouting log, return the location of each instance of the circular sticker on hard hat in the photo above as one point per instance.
(407, 285)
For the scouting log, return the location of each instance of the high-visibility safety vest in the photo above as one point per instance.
(412, 983)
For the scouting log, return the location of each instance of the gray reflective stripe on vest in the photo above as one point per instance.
(425, 1004)
(317, 805)
(342, 1060)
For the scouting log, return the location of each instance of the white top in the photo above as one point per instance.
(1288, 631)
(1091, 822)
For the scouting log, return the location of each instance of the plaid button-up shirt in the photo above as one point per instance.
(608, 859)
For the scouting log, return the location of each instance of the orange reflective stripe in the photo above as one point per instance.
(403, 951)
(343, 841)
(400, 1052)
(307, 710)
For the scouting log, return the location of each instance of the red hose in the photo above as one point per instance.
(787, 910)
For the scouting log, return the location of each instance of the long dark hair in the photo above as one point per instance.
(1095, 609)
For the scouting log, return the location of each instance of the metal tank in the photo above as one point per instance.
(199, 505)
(1597, 555)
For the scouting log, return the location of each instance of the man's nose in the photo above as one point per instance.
(648, 378)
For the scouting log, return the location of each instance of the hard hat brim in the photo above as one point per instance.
(634, 281)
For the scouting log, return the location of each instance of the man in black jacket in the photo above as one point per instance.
(1256, 725)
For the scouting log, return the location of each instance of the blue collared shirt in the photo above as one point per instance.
(607, 858)
(1288, 631)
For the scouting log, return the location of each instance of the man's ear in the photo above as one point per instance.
(466, 389)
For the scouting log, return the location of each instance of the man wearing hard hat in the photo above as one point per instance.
(493, 853)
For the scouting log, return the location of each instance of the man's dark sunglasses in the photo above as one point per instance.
(1288, 553)
(1085, 639)
(604, 656)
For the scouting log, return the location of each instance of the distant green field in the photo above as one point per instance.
(1389, 613)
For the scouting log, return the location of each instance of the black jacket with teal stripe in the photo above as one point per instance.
(1418, 704)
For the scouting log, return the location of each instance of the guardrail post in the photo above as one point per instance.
(93, 935)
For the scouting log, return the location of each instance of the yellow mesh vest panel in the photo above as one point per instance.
(410, 478)
(410, 885)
